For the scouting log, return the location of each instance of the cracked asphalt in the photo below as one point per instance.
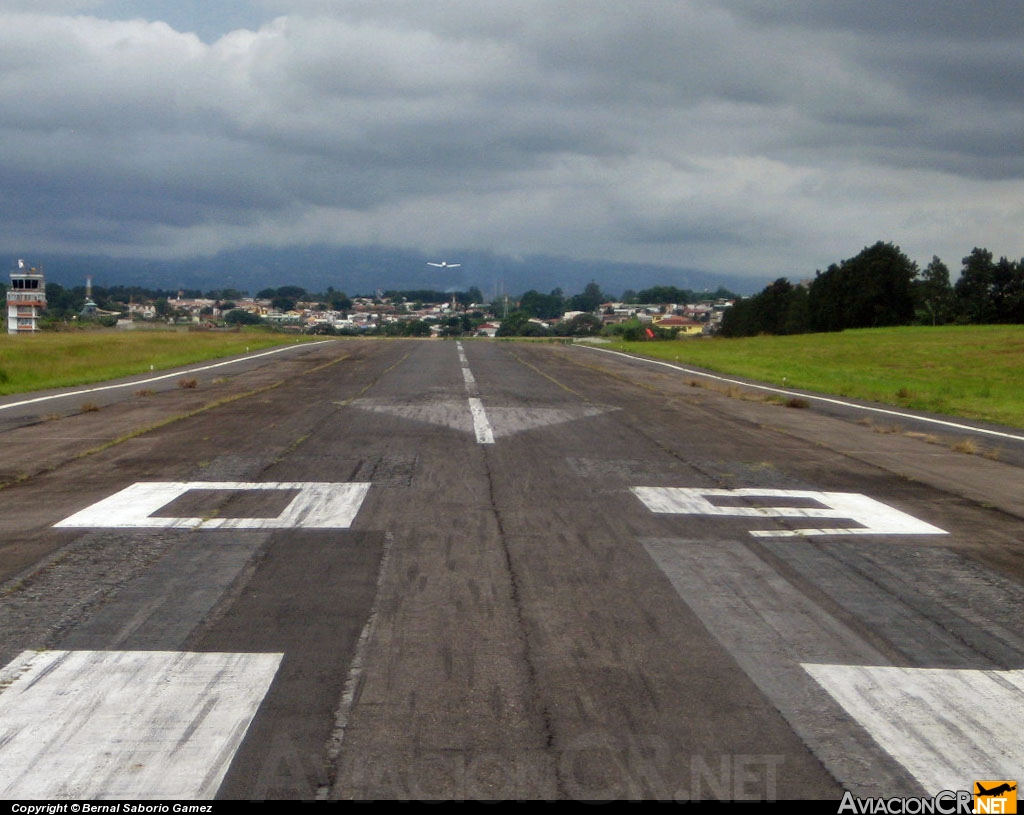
(504, 618)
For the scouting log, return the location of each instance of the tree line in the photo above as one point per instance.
(881, 286)
(551, 306)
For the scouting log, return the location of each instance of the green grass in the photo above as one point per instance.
(62, 359)
(975, 372)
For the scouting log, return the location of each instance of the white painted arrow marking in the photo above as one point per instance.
(874, 517)
(122, 724)
(507, 421)
(503, 421)
(487, 424)
(315, 506)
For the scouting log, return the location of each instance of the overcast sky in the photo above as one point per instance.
(752, 137)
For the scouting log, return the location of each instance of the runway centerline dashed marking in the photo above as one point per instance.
(481, 426)
(315, 505)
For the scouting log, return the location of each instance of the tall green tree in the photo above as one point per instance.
(1008, 291)
(240, 316)
(473, 295)
(975, 288)
(543, 306)
(933, 294)
(60, 302)
(518, 324)
(338, 300)
(589, 299)
(781, 308)
(665, 294)
(869, 290)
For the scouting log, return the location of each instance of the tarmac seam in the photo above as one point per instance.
(354, 681)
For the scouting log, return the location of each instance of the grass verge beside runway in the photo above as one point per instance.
(63, 359)
(975, 372)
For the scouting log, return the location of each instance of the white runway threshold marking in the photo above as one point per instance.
(123, 724)
(874, 517)
(947, 727)
(315, 506)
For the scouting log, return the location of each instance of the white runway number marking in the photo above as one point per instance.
(874, 517)
(314, 506)
(124, 724)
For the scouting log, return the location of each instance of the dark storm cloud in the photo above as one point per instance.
(945, 75)
(935, 20)
(734, 135)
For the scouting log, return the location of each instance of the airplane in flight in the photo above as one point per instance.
(444, 264)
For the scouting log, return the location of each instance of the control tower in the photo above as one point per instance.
(26, 299)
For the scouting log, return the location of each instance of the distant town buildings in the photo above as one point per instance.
(410, 314)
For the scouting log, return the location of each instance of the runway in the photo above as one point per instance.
(493, 570)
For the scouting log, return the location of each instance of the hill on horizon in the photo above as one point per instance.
(364, 270)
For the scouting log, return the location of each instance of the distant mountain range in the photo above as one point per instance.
(364, 270)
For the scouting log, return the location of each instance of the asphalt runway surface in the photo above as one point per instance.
(493, 570)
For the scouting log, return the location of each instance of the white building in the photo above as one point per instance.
(26, 299)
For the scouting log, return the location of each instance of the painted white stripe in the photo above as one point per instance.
(135, 383)
(122, 724)
(482, 427)
(316, 506)
(484, 433)
(874, 517)
(467, 374)
(947, 727)
(813, 398)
